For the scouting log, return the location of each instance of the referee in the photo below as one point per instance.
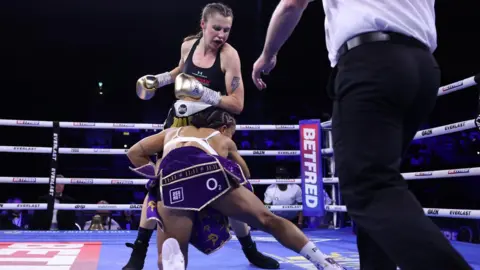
(384, 85)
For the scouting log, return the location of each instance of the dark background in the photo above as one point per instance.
(54, 54)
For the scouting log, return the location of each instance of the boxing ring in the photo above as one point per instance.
(61, 250)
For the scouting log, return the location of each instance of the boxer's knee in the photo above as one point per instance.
(267, 220)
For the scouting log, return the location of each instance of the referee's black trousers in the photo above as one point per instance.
(383, 91)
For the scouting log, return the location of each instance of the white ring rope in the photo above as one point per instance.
(437, 131)
(443, 90)
(433, 212)
(431, 132)
(460, 172)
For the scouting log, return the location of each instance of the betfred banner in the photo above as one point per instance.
(311, 168)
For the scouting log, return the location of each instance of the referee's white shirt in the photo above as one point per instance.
(345, 19)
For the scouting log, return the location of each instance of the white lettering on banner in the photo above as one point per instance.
(310, 164)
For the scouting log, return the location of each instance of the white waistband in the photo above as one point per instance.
(187, 108)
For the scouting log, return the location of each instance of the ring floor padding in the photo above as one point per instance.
(102, 250)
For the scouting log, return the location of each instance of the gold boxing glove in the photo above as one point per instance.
(188, 86)
(148, 84)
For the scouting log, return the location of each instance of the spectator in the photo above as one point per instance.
(107, 221)
(14, 219)
(283, 194)
(61, 219)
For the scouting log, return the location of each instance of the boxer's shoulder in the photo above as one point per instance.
(228, 49)
(187, 46)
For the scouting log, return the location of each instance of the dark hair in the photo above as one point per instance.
(209, 10)
(212, 118)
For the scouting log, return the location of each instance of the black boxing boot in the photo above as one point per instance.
(139, 253)
(254, 256)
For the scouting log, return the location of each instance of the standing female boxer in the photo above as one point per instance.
(211, 68)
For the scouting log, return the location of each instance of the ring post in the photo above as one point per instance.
(53, 173)
(311, 168)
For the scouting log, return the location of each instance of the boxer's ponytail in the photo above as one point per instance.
(208, 11)
(212, 118)
(197, 36)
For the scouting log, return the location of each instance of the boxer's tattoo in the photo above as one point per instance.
(235, 83)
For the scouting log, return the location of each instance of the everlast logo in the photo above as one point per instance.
(251, 126)
(28, 205)
(457, 171)
(290, 206)
(287, 153)
(432, 212)
(123, 125)
(82, 124)
(80, 206)
(460, 213)
(135, 206)
(427, 132)
(455, 126)
(24, 180)
(122, 182)
(24, 148)
(258, 152)
(451, 86)
(26, 122)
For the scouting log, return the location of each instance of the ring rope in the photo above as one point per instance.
(431, 132)
(454, 127)
(433, 212)
(460, 172)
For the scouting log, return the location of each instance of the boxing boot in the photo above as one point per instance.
(137, 258)
(258, 259)
(172, 256)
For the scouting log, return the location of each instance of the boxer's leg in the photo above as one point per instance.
(241, 204)
(140, 247)
(242, 231)
(177, 224)
(376, 86)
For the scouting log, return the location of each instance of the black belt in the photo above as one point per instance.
(380, 36)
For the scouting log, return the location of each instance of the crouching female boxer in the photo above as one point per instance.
(196, 188)
(208, 76)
